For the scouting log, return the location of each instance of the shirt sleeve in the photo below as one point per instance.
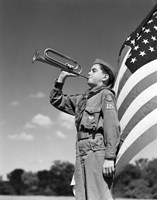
(111, 125)
(63, 102)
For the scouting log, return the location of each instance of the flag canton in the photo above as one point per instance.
(143, 42)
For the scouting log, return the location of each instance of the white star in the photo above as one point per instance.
(155, 27)
(151, 49)
(136, 47)
(128, 38)
(150, 21)
(153, 38)
(139, 37)
(155, 13)
(147, 30)
(133, 42)
(145, 41)
(142, 53)
(133, 60)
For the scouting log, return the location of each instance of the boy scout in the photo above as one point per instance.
(98, 132)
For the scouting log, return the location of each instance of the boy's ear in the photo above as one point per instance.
(106, 77)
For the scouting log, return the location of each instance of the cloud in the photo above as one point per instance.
(67, 121)
(42, 120)
(14, 103)
(38, 95)
(39, 120)
(60, 134)
(23, 136)
(29, 125)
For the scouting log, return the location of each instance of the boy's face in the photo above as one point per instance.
(96, 76)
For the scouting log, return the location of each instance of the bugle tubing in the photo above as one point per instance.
(77, 69)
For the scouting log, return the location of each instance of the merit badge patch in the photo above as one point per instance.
(109, 106)
(109, 102)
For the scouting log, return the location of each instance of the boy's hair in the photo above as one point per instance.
(109, 72)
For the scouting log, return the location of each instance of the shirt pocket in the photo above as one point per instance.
(90, 117)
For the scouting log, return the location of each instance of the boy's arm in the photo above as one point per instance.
(111, 125)
(111, 131)
(62, 101)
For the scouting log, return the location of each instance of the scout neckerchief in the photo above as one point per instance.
(82, 103)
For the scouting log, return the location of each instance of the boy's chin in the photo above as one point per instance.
(90, 84)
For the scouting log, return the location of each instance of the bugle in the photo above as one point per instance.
(75, 69)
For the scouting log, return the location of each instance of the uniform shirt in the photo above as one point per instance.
(98, 113)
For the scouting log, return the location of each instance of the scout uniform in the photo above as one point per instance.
(97, 137)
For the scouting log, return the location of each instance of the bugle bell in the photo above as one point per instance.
(75, 69)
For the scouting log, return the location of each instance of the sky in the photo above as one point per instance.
(33, 134)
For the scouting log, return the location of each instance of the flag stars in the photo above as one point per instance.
(133, 42)
(155, 27)
(147, 30)
(139, 37)
(153, 38)
(155, 13)
(150, 21)
(142, 53)
(145, 41)
(128, 38)
(151, 49)
(136, 47)
(133, 60)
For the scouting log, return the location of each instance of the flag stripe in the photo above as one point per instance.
(139, 89)
(135, 78)
(123, 67)
(142, 126)
(124, 79)
(146, 138)
(143, 111)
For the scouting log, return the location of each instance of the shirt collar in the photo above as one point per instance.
(97, 88)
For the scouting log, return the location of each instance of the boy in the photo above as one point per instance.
(98, 132)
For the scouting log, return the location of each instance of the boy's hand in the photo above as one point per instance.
(70, 68)
(64, 74)
(108, 168)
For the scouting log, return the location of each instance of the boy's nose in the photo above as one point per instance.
(89, 72)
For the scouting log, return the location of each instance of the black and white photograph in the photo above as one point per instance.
(78, 99)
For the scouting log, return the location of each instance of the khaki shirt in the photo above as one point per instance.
(99, 114)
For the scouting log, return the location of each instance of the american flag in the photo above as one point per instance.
(136, 89)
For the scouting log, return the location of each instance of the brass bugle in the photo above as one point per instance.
(77, 69)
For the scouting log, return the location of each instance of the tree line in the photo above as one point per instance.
(137, 180)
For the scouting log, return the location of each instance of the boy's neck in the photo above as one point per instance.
(95, 88)
(98, 86)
